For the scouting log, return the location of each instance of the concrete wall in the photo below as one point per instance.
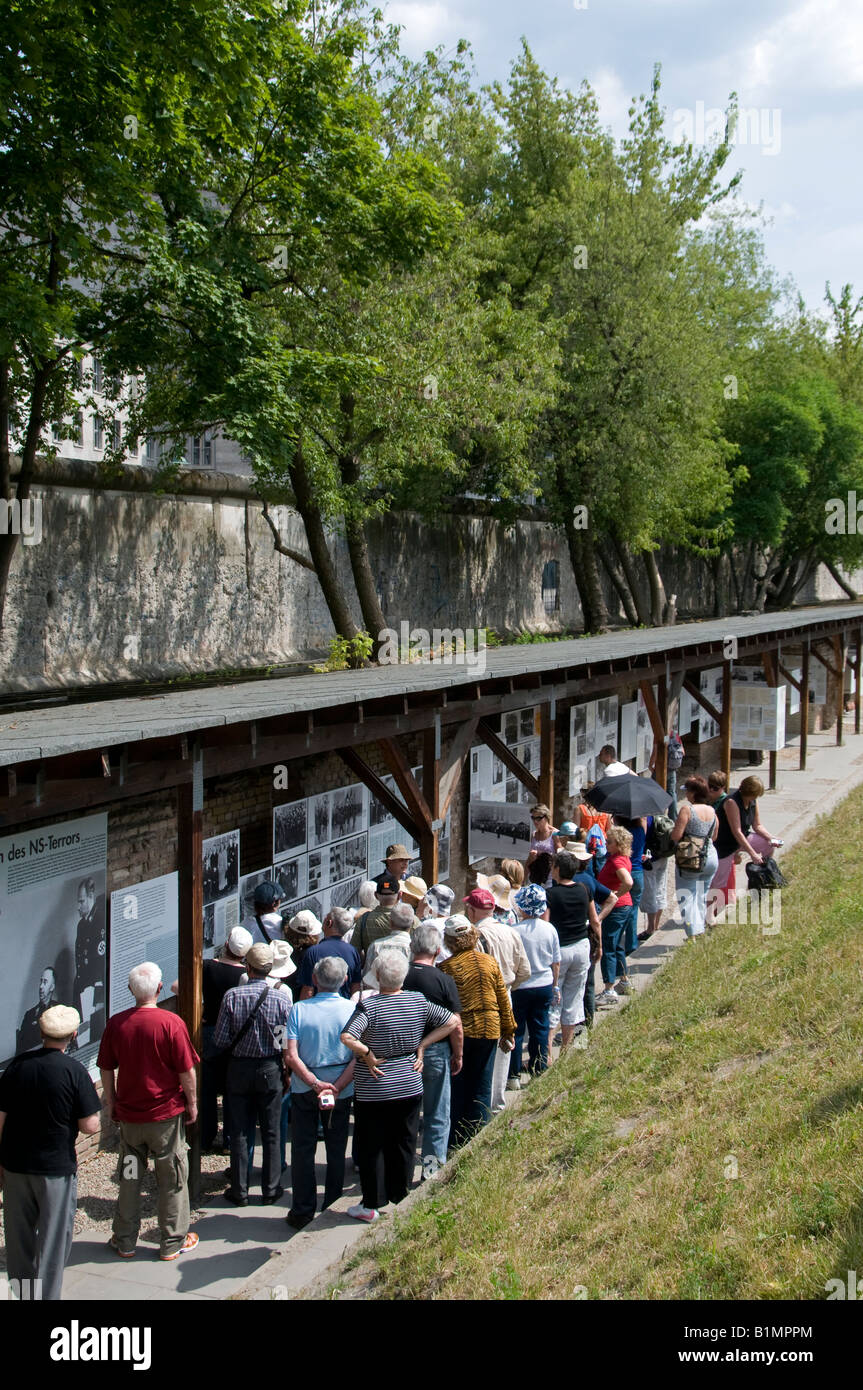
(129, 584)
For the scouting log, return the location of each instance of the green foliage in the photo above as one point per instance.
(348, 653)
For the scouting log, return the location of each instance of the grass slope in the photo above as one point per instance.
(617, 1179)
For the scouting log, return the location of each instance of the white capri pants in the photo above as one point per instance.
(654, 895)
(574, 965)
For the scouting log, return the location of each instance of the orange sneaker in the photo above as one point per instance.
(188, 1244)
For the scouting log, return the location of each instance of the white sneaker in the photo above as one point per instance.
(607, 998)
(514, 1083)
(431, 1166)
(361, 1213)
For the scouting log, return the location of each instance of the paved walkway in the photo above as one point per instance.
(250, 1253)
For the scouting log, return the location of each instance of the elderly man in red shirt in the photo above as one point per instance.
(154, 1096)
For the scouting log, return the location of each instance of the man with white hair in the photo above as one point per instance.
(153, 1097)
(402, 921)
(46, 1101)
(322, 1067)
(336, 924)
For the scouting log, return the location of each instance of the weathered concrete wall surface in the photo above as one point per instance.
(133, 585)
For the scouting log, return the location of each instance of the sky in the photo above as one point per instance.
(796, 65)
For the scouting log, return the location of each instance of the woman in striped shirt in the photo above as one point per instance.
(389, 1034)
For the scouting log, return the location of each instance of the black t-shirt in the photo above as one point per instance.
(44, 1094)
(567, 909)
(725, 842)
(437, 987)
(218, 978)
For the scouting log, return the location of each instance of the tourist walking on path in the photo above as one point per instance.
(388, 1034)
(442, 1059)
(532, 1000)
(694, 833)
(252, 1027)
(487, 1020)
(502, 941)
(573, 915)
(218, 976)
(152, 1099)
(741, 831)
(615, 874)
(46, 1100)
(321, 1066)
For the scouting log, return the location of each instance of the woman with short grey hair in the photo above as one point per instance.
(389, 1034)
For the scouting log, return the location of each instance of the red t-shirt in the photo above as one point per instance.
(151, 1047)
(608, 876)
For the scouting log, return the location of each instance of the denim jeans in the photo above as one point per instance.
(470, 1090)
(613, 961)
(530, 1007)
(636, 891)
(436, 1099)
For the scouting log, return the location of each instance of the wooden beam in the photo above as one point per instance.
(508, 758)
(431, 791)
(190, 862)
(379, 788)
(547, 724)
(702, 700)
(652, 710)
(660, 769)
(770, 662)
(824, 662)
(839, 653)
(804, 707)
(406, 782)
(453, 764)
(858, 654)
(792, 680)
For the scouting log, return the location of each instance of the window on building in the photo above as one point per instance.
(151, 450)
(202, 451)
(78, 430)
(116, 434)
(551, 586)
(98, 432)
(97, 374)
(57, 432)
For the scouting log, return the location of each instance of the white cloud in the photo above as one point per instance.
(427, 24)
(614, 100)
(818, 45)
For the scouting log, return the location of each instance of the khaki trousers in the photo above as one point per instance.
(163, 1141)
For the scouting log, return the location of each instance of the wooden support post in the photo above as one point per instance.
(770, 662)
(548, 717)
(190, 857)
(657, 713)
(804, 707)
(857, 659)
(431, 792)
(839, 656)
(661, 773)
(725, 725)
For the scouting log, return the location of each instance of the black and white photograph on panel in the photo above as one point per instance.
(248, 884)
(319, 820)
(513, 789)
(209, 926)
(527, 722)
(318, 903)
(315, 870)
(348, 858)
(222, 867)
(348, 815)
(346, 894)
(290, 875)
(289, 829)
(52, 902)
(510, 728)
(498, 830)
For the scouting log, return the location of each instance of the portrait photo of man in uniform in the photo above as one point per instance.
(28, 1035)
(90, 961)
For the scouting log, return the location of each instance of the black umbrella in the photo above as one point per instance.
(629, 796)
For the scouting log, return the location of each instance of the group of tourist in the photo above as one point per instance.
(402, 1011)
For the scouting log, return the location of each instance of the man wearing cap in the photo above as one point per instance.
(396, 861)
(377, 922)
(153, 1095)
(252, 1025)
(265, 923)
(46, 1100)
(504, 943)
(218, 977)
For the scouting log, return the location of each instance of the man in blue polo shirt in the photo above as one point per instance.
(320, 1065)
(336, 924)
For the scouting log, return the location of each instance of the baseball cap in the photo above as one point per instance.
(305, 923)
(568, 828)
(260, 957)
(457, 925)
(481, 897)
(386, 886)
(239, 941)
(266, 893)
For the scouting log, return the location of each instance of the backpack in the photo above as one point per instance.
(675, 753)
(690, 856)
(588, 818)
(766, 875)
(659, 840)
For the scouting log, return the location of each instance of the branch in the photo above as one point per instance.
(846, 587)
(279, 545)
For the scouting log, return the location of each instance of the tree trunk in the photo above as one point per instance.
(355, 532)
(582, 556)
(333, 590)
(720, 607)
(658, 600)
(618, 579)
(843, 583)
(636, 588)
(35, 425)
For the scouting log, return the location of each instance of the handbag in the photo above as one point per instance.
(690, 856)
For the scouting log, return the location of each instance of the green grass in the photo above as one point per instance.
(617, 1177)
